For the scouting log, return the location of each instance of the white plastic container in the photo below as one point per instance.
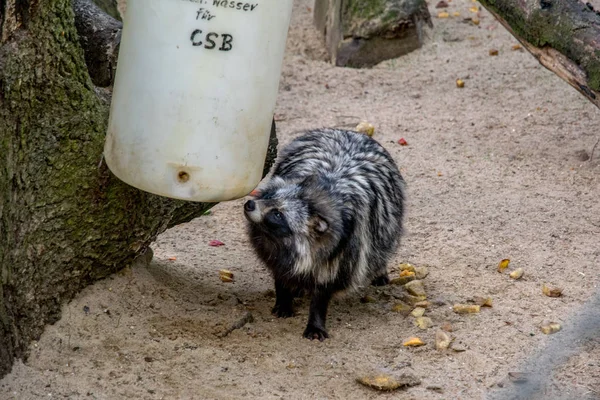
(194, 95)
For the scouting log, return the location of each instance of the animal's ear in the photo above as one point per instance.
(319, 224)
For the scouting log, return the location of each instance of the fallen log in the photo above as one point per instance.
(564, 35)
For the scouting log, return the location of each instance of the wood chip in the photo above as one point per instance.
(517, 273)
(368, 299)
(466, 308)
(447, 326)
(366, 128)
(551, 291)
(517, 377)
(403, 280)
(226, 275)
(413, 342)
(384, 382)
(410, 299)
(407, 267)
(550, 328)
(416, 288)
(423, 323)
(442, 340)
(402, 308)
(418, 312)
(503, 265)
(483, 301)
(421, 272)
(423, 304)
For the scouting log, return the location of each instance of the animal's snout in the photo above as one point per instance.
(250, 206)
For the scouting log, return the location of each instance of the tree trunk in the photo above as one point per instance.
(65, 220)
(564, 35)
(363, 33)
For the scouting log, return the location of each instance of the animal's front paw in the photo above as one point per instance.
(381, 280)
(314, 332)
(282, 312)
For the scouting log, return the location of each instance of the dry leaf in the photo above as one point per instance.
(441, 4)
(474, 9)
(443, 15)
(216, 243)
(493, 52)
(460, 83)
(402, 142)
(475, 21)
(516, 47)
(456, 14)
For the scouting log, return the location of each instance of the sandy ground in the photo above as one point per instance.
(494, 170)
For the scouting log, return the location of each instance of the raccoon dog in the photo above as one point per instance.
(328, 219)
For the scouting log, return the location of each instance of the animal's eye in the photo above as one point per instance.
(277, 215)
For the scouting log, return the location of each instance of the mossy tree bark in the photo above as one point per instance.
(564, 35)
(362, 33)
(65, 221)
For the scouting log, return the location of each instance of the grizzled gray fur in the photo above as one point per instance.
(329, 219)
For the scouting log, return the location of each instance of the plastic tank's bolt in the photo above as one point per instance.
(183, 176)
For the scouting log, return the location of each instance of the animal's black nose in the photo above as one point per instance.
(250, 205)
